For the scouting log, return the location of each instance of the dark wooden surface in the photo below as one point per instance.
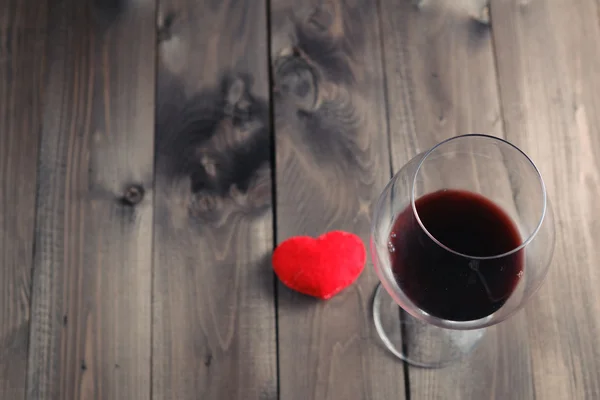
(331, 162)
(22, 41)
(548, 62)
(442, 83)
(152, 154)
(214, 310)
(91, 292)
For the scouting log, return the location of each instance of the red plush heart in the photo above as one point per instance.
(320, 267)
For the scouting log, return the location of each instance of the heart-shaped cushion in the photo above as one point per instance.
(320, 267)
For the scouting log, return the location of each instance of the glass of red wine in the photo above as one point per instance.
(462, 236)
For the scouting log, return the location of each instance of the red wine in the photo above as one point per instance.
(445, 284)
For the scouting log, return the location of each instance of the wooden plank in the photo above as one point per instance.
(331, 164)
(548, 56)
(22, 38)
(91, 315)
(214, 312)
(442, 83)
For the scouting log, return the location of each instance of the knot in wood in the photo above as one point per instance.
(322, 17)
(296, 80)
(236, 97)
(164, 30)
(133, 195)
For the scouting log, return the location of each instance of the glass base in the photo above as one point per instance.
(417, 342)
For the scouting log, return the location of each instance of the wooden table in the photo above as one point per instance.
(152, 154)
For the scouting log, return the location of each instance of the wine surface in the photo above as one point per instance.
(445, 284)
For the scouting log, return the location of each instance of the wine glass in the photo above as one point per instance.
(461, 237)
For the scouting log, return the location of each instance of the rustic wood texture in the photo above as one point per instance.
(442, 83)
(22, 40)
(331, 163)
(130, 280)
(91, 314)
(548, 55)
(214, 310)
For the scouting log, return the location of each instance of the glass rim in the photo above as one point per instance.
(493, 138)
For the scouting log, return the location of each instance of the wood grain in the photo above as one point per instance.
(548, 55)
(214, 311)
(442, 83)
(331, 164)
(22, 37)
(91, 315)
